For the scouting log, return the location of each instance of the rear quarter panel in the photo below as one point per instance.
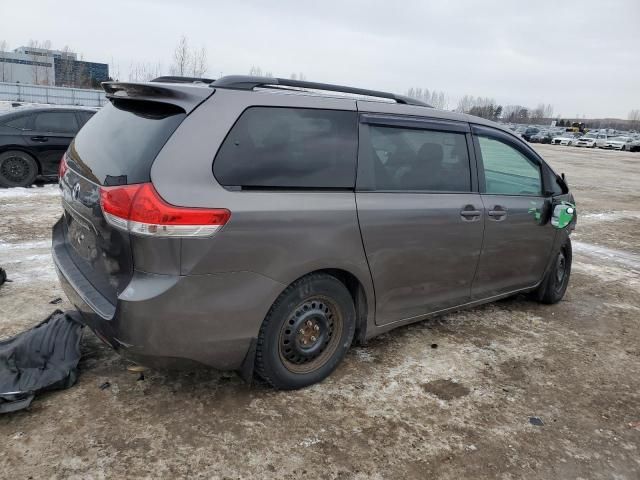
(281, 235)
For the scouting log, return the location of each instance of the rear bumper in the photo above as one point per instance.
(173, 321)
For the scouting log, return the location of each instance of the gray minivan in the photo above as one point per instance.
(263, 225)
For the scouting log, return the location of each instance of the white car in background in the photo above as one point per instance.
(589, 140)
(618, 143)
(592, 140)
(566, 138)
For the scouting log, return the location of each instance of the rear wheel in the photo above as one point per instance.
(555, 283)
(306, 333)
(17, 169)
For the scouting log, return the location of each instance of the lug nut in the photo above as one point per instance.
(316, 328)
(313, 339)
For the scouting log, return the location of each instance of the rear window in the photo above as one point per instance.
(56, 122)
(272, 147)
(121, 141)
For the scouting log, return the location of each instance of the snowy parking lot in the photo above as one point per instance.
(509, 390)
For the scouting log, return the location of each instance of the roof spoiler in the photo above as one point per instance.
(187, 97)
(177, 79)
(247, 82)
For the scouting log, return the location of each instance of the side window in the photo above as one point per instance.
(507, 171)
(57, 122)
(20, 122)
(289, 148)
(409, 159)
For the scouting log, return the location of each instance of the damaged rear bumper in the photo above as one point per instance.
(174, 321)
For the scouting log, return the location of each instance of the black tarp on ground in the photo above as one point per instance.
(43, 358)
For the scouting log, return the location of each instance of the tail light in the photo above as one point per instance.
(62, 168)
(139, 209)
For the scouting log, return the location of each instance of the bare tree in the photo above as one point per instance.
(114, 69)
(144, 72)
(181, 58)
(65, 64)
(433, 98)
(39, 70)
(255, 71)
(515, 113)
(634, 116)
(199, 62)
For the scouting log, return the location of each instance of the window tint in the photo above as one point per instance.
(122, 140)
(84, 117)
(58, 122)
(20, 121)
(411, 159)
(507, 171)
(289, 148)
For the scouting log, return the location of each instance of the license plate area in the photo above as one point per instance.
(81, 234)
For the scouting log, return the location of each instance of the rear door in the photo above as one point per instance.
(516, 244)
(420, 213)
(51, 134)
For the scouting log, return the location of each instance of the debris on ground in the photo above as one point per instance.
(56, 301)
(43, 358)
(105, 385)
(3, 276)
(537, 421)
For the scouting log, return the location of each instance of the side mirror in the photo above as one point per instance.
(563, 214)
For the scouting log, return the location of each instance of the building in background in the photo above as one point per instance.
(40, 66)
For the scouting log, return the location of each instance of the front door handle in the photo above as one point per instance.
(498, 212)
(39, 139)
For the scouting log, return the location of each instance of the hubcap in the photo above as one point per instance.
(14, 169)
(310, 335)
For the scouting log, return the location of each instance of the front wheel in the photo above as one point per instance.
(554, 285)
(306, 333)
(17, 169)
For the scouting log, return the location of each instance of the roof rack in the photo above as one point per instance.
(178, 79)
(247, 82)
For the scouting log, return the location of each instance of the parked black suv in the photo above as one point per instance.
(33, 140)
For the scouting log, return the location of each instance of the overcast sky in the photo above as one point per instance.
(583, 57)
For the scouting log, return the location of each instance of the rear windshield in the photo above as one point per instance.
(118, 145)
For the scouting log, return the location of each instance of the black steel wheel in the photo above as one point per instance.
(306, 333)
(17, 169)
(554, 285)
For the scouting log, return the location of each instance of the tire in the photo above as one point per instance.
(306, 333)
(554, 285)
(17, 169)
(623, 148)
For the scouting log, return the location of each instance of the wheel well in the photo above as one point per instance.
(359, 299)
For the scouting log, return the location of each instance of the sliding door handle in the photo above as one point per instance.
(470, 213)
